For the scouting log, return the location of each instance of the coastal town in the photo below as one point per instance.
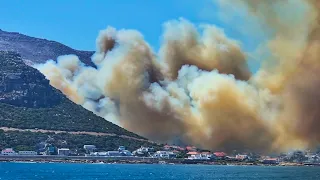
(168, 154)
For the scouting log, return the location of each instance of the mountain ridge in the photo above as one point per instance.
(32, 111)
(35, 50)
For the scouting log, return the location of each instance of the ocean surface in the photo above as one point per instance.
(56, 171)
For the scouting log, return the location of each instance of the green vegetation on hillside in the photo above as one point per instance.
(27, 101)
(29, 140)
(66, 116)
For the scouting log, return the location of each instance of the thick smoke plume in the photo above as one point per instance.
(198, 87)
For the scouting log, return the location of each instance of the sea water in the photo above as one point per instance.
(34, 171)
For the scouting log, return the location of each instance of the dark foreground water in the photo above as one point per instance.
(35, 171)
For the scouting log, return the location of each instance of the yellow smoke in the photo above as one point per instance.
(198, 88)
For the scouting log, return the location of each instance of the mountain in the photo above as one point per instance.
(36, 50)
(27, 101)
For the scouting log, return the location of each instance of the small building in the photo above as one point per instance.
(270, 161)
(64, 152)
(191, 148)
(241, 157)
(114, 153)
(89, 148)
(143, 151)
(164, 154)
(199, 156)
(27, 153)
(193, 155)
(99, 154)
(8, 152)
(220, 155)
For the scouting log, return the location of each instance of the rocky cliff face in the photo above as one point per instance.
(36, 50)
(23, 86)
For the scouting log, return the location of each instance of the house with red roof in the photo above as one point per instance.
(191, 148)
(8, 152)
(220, 155)
(193, 153)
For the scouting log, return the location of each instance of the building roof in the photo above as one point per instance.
(88, 146)
(220, 154)
(241, 156)
(101, 153)
(271, 159)
(190, 148)
(8, 150)
(192, 153)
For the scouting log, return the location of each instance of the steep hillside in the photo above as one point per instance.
(27, 101)
(36, 50)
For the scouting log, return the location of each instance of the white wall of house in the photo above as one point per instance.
(64, 152)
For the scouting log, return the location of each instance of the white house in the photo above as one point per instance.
(164, 154)
(89, 148)
(8, 152)
(143, 151)
(63, 152)
(198, 155)
(27, 153)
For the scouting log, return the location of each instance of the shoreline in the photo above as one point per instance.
(135, 160)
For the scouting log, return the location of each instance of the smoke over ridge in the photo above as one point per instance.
(198, 87)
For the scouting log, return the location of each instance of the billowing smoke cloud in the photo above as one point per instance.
(301, 93)
(213, 50)
(198, 87)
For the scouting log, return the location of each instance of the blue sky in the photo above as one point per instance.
(76, 23)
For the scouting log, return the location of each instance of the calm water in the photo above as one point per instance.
(35, 171)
